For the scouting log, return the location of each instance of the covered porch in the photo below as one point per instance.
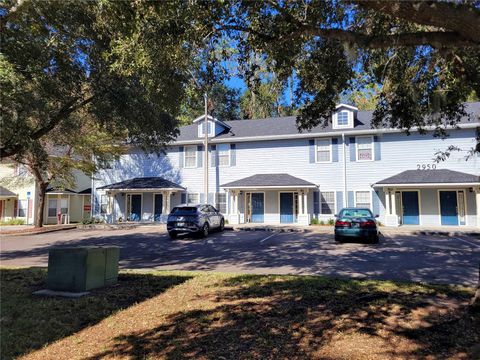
(147, 199)
(270, 199)
(432, 198)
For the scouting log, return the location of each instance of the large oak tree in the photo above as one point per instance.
(424, 55)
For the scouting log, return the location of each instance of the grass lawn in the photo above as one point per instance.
(177, 315)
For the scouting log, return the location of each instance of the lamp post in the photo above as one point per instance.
(205, 129)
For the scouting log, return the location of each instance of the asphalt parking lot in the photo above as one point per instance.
(426, 258)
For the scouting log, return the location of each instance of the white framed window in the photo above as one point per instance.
(221, 203)
(223, 154)
(327, 202)
(52, 207)
(342, 118)
(363, 199)
(190, 156)
(193, 198)
(103, 204)
(22, 208)
(323, 151)
(365, 148)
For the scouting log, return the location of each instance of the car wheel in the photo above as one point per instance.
(205, 230)
(173, 235)
(375, 239)
(338, 238)
(222, 225)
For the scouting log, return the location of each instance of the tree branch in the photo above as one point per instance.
(459, 18)
(437, 39)
(65, 111)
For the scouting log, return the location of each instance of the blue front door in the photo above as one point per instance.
(286, 207)
(158, 207)
(136, 212)
(410, 208)
(448, 207)
(257, 207)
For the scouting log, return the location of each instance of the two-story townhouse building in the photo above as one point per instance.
(18, 197)
(267, 171)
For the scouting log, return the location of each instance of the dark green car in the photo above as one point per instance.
(356, 223)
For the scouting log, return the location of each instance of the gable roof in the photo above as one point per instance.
(270, 181)
(442, 176)
(211, 118)
(142, 183)
(259, 129)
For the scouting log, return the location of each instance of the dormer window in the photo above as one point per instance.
(342, 118)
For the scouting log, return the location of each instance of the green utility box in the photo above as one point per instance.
(79, 269)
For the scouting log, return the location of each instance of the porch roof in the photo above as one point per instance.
(143, 183)
(5, 193)
(269, 181)
(441, 177)
(53, 191)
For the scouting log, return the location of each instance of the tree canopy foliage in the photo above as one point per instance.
(130, 65)
(424, 55)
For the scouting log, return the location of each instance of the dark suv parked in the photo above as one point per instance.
(194, 219)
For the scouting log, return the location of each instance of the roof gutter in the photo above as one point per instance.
(311, 135)
(426, 184)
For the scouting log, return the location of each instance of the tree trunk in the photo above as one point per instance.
(41, 189)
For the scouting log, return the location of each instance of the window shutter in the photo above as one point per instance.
(311, 149)
(351, 199)
(378, 155)
(335, 149)
(199, 156)
(339, 201)
(353, 155)
(376, 203)
(213, 155)
(202, 198)
(183, 198)
(180, 156)
(233, 155)
(316, 202)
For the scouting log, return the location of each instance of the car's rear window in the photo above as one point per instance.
(185, 210)
(355, 213)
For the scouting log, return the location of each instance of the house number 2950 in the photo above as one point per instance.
(426, 166)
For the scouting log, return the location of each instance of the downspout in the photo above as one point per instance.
(344, 171)
(92, 192)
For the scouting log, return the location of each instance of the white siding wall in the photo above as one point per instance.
(399, 152)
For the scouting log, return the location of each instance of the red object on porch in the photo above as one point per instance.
(59, 217)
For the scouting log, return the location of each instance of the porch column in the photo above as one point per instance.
(394, 203)
(391, 218)
(167, 202)
(300, 202)
(477, 197)
(164, 202)
(305, 202)
(234, 217)
(387, 201)
(111, 207)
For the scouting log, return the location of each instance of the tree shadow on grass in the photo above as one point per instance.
(29, 322)
(269, 317)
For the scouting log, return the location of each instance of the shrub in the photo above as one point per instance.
(322, 222)
(331, 221)
(13, 222)
(379, 223)
(226, 222)
(314, 221)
